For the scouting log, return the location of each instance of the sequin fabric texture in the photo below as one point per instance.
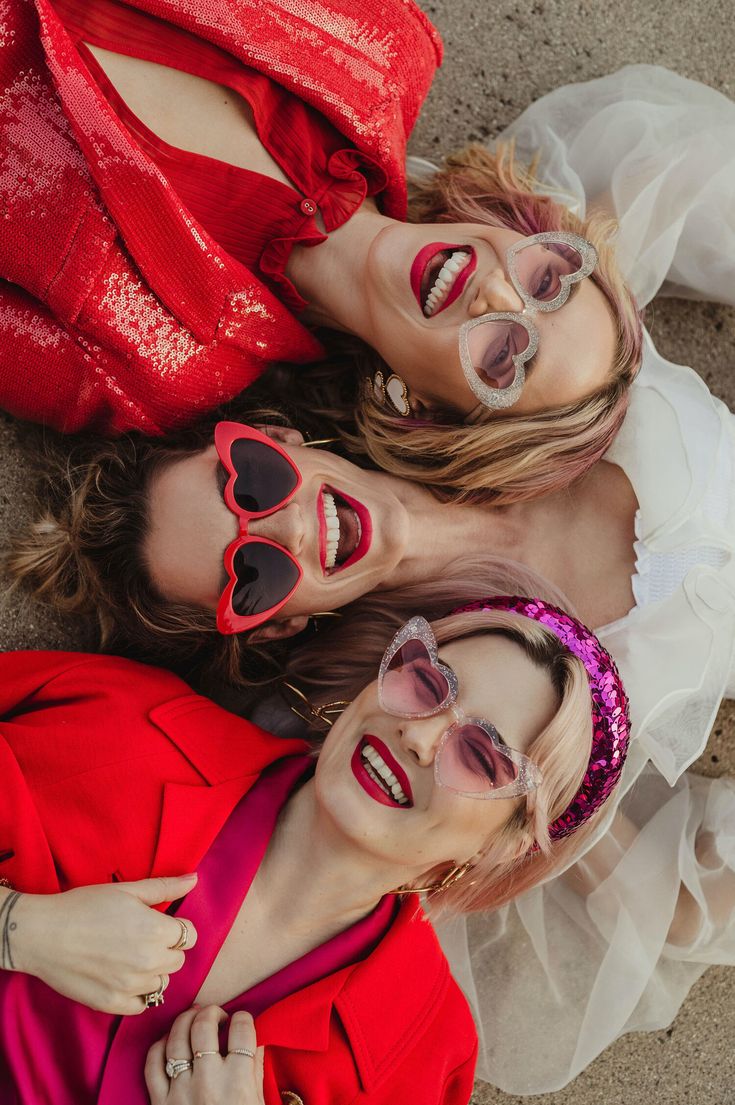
(117, 310)
(610, 715)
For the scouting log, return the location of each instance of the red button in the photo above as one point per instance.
(308, 207)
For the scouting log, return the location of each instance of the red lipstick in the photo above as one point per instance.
(366, 529)
(425, 257)
(366, 532)
(368, 784)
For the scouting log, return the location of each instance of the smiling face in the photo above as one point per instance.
(423, 282)
(419, 823)
(345, 526)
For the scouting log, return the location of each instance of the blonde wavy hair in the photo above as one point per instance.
(346, 659)
(498, 456)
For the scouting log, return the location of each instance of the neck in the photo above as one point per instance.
(330, 276)
(312, 876)
(438, 533)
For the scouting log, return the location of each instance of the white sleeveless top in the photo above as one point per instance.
(555, 977)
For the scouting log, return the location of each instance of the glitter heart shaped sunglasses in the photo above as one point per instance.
(495, 348)
(472, 758)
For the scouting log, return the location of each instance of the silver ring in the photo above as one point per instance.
(242, 1051)
(175, 1067)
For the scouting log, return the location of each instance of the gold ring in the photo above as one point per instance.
(183, 936)
(242, 1051)
(199, 1054)
(155, 998)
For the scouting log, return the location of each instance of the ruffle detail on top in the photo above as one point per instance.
(354, 175)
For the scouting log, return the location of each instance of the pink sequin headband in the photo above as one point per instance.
(610, 716)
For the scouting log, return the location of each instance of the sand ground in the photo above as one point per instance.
(499, 58)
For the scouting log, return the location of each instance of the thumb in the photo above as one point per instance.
(165, 888)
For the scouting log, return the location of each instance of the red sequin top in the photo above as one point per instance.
(143, 284)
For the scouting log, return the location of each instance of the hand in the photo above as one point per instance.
(103, 946)
(235, 1079)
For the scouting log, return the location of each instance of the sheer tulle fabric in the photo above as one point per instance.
(556, 976)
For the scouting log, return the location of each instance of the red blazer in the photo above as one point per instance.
(94, 741)
(117, 311)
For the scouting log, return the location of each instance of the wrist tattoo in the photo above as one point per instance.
(8, 928)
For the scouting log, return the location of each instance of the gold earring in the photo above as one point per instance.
(449, 879)
(326, 714)
(391, 393)
(319, 441)
(322, 614)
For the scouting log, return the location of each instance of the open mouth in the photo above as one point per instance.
(379, 773)
(345, 530)
(439, 274)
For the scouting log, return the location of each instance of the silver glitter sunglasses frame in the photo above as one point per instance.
(529, 776)
(500, 398)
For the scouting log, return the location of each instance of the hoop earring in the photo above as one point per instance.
(392, 392)
(314, 618)
(449, 879)
(326, 714)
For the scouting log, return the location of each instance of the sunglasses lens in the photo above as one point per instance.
(264, 576)
(412, 686)
(469, 761)
(492, 346)
(264, 477)
(541, 266)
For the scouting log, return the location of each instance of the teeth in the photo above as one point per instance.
(332, 519)
(381, 774)
(444, 281)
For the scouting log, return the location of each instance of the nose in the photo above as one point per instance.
(284, 526)
(421, 737)
(494, 292)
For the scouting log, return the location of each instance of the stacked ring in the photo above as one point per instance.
(175, 1067)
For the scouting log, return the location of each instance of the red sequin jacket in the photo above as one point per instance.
(117, 310)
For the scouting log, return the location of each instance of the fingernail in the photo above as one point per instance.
(191, 875)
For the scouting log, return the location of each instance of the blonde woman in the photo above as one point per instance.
(231, 185)
(474, 756)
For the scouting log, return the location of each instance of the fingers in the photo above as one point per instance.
(155, 1073)
(205, 1030)
(241, 1035)
(162, 889)
(178, 1043)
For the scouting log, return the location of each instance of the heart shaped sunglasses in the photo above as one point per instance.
(263, 575)
(472, 758)
(495, 348)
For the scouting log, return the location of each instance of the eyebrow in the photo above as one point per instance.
(498, 734)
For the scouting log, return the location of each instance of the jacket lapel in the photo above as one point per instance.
(407, 966)
(229, 753)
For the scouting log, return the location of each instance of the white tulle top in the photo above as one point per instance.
(561, 972)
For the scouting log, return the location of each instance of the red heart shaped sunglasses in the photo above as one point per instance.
(263, 575)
